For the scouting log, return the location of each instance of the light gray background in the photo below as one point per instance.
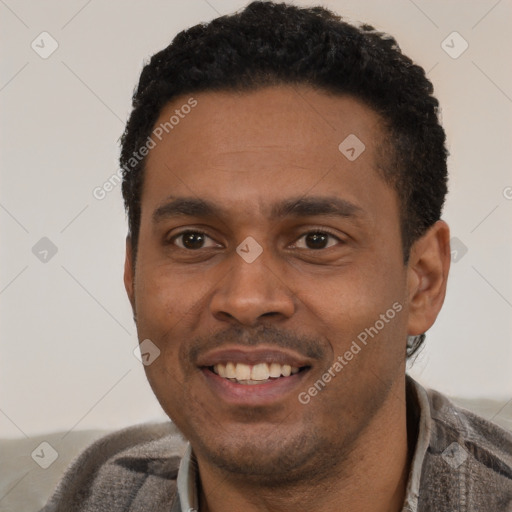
(67, 360)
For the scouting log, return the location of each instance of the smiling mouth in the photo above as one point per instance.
(259, 373)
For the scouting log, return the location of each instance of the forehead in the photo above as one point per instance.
(265, 145)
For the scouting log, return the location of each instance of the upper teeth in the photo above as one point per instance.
(260, 371)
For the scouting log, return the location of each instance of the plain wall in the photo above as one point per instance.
(68, 336)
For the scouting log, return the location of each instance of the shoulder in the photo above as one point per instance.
(122, 470)
(481, 437)
(469, 459)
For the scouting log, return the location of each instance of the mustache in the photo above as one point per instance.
(272, 336)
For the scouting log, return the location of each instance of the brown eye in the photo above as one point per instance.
(193, 240)
(316, 240)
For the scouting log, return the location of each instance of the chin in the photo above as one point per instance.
(265, 453)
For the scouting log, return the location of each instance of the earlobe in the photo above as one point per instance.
(129, 273)
(429, 264)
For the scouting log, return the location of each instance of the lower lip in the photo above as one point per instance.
(252, 394)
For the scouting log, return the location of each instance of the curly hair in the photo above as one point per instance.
(270, 43)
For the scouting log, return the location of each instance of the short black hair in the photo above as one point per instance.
(269, 43)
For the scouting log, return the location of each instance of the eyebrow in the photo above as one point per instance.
(310, 206)
(295, 207)
(186, 207)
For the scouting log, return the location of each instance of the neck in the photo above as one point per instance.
(372, 477)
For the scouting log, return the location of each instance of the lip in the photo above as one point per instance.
(268, 392)
(253, 395)
(252, 356)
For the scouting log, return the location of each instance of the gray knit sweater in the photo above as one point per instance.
(462, 463)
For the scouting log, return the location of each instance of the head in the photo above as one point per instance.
(284, 176)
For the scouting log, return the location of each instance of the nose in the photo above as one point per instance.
(251, 292)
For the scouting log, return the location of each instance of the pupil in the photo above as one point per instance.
(193, 240)
(316, 240)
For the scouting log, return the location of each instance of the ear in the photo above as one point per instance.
(129, 273)
(428, 267)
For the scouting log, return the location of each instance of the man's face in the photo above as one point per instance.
(262, 171)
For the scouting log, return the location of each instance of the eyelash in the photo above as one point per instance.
(321, 231)
(172, 240)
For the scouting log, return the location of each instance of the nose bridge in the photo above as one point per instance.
(252, 288)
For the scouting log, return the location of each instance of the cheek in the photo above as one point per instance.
(159, 295)
(160, 311)
(363, 306)
(355, 296)
(168, 386)
(366, 327)
(167, 304)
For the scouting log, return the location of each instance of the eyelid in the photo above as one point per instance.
(319, 229)
(171, 240)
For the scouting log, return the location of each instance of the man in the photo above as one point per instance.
(284, 176)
